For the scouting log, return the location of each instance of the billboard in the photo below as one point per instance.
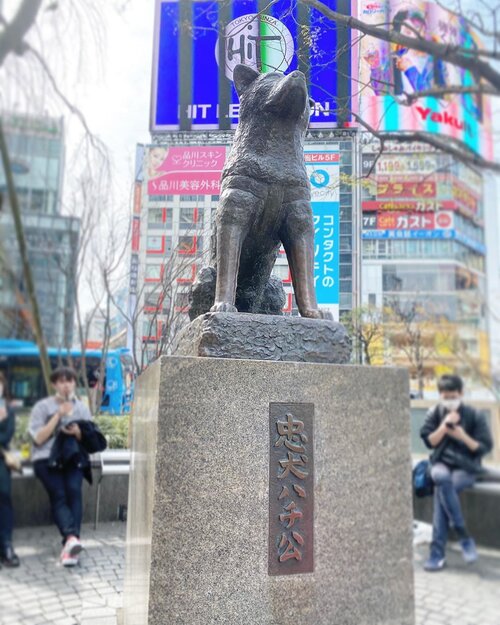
(184, 170)
(199, 42)
(388, 73)
(323, 169)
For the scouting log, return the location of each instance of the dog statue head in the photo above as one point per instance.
(272, 95)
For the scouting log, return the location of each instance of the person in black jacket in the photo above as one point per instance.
(8, 556)
(60, 416)
(459, 436)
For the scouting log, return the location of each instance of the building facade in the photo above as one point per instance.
(36, 149)
(173, 228)
(424, 262)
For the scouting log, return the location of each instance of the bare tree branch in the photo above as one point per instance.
(456, 55)
(12, 37)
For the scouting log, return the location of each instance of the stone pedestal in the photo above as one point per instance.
(202, 540)
(264, 337)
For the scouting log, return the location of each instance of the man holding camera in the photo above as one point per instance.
(459, 436)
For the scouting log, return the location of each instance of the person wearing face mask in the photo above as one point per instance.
(8, 557)
(61, 415)
(459, 436)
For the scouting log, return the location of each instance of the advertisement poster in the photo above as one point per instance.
(184, 170)
(323, 169)
(198, 44)
(388, 73)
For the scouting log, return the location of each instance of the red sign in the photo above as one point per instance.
(322, 157)
(406, 189)
(419, 206)
(405, 221)
(414, 221)
(136, 233)
(137, 198)
(465, 198)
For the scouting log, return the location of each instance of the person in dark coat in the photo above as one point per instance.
(8, 556)
(459, 437)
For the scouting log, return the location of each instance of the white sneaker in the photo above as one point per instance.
(72, 546)
(67, 560)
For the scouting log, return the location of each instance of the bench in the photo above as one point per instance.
(480, 505)
(109, 462)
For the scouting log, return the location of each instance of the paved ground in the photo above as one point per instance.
(41, 592)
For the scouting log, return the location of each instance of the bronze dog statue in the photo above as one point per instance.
(264, 202)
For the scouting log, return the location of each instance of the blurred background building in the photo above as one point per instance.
(36, 148)
(424, 261)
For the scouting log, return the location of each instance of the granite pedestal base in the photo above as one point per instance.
(198, 515)
(264, 337)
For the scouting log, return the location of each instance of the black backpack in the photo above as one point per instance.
(422, 480)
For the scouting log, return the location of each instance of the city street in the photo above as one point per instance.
(40, 592)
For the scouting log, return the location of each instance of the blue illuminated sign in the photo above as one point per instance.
(323, 170)
(425, 234)
(199, 42)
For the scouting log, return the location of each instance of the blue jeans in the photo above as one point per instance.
(64, 487)
(6, 512)
(447, 510)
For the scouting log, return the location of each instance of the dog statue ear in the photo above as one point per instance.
(243, 77)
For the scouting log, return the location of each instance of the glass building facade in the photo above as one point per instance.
(36, 150)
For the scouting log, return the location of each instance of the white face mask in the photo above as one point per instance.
(451, 404)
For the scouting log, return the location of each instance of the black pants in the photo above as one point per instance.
(6, 512)
(64, 487)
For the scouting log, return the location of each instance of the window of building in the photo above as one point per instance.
(186, 273)
(187, 244)
(345, 243)
(345, 271)
(282, 272)
(155, 217)
(182, 300)
(149, 327)
(190, 218)
(153, 299)
(155, 245)
(153, 273)
(159, 218)
(38, 200)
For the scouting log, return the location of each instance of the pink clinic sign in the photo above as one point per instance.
(184, 170)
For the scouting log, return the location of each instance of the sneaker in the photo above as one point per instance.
(469, 551)
(72, 546)
(434, 564)
(67, 560)
(9, 557)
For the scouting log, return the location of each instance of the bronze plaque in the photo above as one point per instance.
(291, 488)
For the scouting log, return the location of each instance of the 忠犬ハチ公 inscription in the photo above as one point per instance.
(291, 488)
